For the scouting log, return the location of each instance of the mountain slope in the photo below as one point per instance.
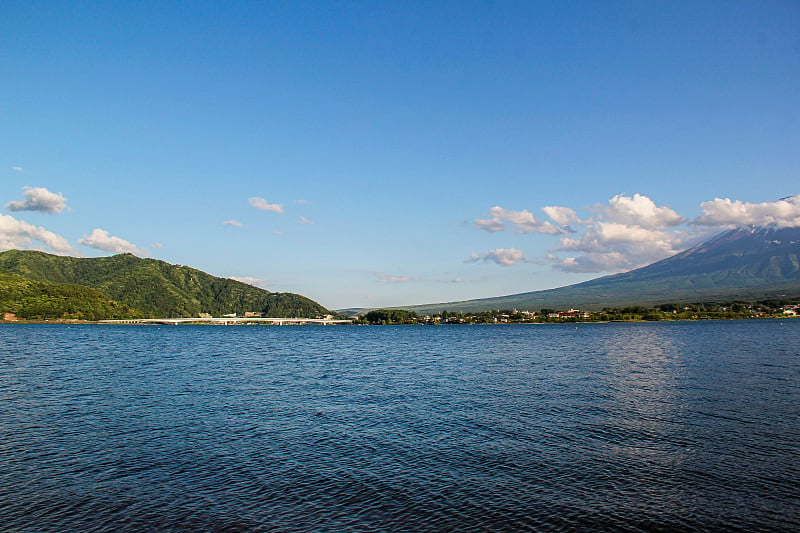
(29, 299)
(744, 263)
(156, 288)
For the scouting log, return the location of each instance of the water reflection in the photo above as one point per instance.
(643, 407)
(643, 371)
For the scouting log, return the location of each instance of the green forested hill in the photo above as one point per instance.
(155, 288)
(30, 299)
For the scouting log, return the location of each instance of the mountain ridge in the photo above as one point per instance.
(155, 288)
(750, 262)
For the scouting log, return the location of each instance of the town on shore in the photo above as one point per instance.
(665, 312)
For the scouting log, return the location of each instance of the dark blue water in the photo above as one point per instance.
(623, 427)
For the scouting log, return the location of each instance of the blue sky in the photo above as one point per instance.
(376, 153)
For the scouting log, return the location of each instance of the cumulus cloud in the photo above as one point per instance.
(614, 247)
(234, 223)
(102, 240)
(255, 282)
(304, 220)
(260, 203)
(500, 256)
(522, 221)
(19, 235)
(724, 212)
(632, 231)
(625, 233)
(561, 215)
(602, 234)
(639, 210)
(39, 199)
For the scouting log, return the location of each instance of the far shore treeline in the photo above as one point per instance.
(789, 308)
(695, 311)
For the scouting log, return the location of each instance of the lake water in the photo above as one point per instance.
(619, 427)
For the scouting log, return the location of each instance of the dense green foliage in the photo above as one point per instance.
(155, 288)
(772, 308)
(39, 300)
(389, 316)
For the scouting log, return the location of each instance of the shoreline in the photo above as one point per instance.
(73, 322)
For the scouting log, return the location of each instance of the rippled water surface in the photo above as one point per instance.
(632, 427)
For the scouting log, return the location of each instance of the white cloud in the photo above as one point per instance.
(304, 220)
(595, 262)
(561, 215)
(639, 210)
(632, 231)
(602, 234)
(17, 169)
(501, 256)
(255, 282)
(19, 235)
(724, 212)
(102, 240)
(156, 246)
(491, 225)
(460, 280)
(522, 221)
(386, 278)
(39, 199)
(260, 203)
(615, 247)
(234, 223)
(627, 232)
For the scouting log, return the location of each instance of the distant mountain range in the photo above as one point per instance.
(38, 285)
(748, 263)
